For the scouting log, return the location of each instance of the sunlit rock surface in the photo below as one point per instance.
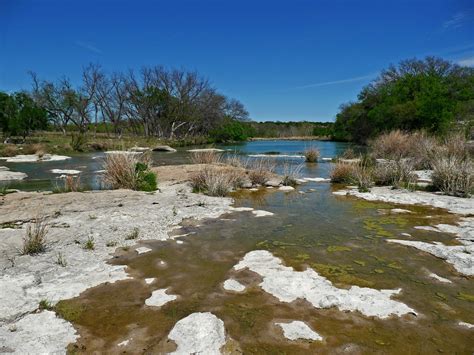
(298, 330)
(288, 285)
(198, 333)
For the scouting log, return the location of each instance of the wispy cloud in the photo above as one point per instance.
(335, 82)
(466, 62)
(90, 47)
(459, 19)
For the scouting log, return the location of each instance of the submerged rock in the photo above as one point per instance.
(288, 285)
(262, 213)
(298, 330)
(460, 256)
(439, 278)
(142, 250)
(198, 333)
(286, 188)
(159, 298)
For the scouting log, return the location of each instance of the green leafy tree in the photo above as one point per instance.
(20, 115)
(430, 94)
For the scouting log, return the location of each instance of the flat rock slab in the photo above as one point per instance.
(65, 171)
(33, 158)
(288, 285)
(37, 333)
(139, 149)
(143, 250)
(198, 333)
(125, 152)
(298, 330)
(159, 298)
(205, 150)
(6, 175)
(164, 148)
(439, 278)
(233, 285)
(262, 213)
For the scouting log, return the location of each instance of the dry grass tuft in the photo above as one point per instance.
(216, 182)
(394, 173)
(129, 171)
(291, 173)
(343, 173)
(394, 145)
(312, 155)
(260, 170)
(34, 241)
(206, 157)
(363, 176)
(9, 150)
(453, 175)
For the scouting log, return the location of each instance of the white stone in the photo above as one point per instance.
(233, 285)
(179, 242)
(326, 159)
(316, 179)
(139, 149)
(205, 150)
(400, 210)
(66, 171)
(123, 152)
(149, 280)
(286, 188)
(288, 285)
(466, 325)
(463, 206)
(164, 148)
(159, 298)
(460, 256)
(32, 158)
(427, 228)
(38, 333)
(143, 250)
(262, 213)
(406, 234)
(298, 330)
(198, 333)
(124, 343)
(241, 209)
(439, 278)
(6, 175)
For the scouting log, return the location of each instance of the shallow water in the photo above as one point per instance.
(343, 239)
(41, 178)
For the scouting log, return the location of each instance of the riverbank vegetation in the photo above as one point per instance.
(397, 159)
(129, 171)
(431, 94)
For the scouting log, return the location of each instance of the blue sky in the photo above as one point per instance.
(285, 60)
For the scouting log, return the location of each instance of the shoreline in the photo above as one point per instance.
(105, 217)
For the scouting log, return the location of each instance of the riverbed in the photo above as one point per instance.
(336, 244)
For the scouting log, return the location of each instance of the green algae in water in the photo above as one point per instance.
(341, 274)
(336, 248)
(69, 311)
(379, 271)
(359, 262)
(465, 297)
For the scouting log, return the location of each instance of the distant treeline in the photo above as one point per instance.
(154, 102)
(433, 95)
(275, 129)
